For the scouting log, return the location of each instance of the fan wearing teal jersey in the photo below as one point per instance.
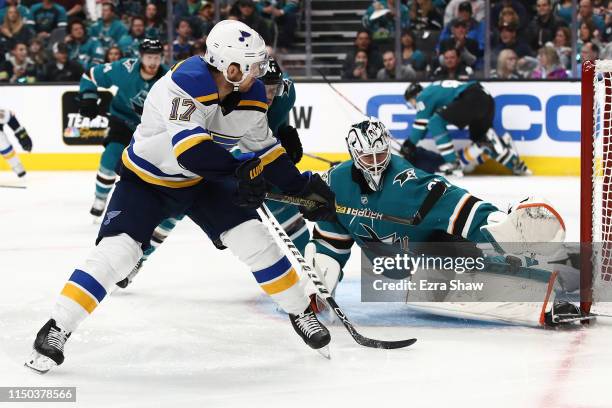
(376, 180)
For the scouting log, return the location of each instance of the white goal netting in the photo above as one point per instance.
(602, 183)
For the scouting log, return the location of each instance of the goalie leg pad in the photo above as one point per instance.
(531, 226)
(254, 245)
(109, 262)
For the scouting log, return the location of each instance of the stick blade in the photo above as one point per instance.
(383, 344)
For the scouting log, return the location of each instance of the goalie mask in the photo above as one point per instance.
(368, 145)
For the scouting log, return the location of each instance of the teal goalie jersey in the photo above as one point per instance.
(404, 189)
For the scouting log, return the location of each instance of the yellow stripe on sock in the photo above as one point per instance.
(85, 300)
(281, 284)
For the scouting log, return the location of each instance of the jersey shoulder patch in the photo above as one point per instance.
(193, 77)
(254, 99)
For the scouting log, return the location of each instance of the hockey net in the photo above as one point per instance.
(596, 186)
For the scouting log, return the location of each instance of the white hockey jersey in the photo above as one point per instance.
(181, 111)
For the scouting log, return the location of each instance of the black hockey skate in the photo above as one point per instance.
(48, 348)
(314, 334)
(97, 208)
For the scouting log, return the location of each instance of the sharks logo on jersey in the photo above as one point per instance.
(137, 101)
(391, 239)
(404, 176)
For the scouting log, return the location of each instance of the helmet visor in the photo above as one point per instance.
(258, 69)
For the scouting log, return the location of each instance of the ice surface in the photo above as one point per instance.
(195, 330)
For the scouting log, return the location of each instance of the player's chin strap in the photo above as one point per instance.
(295, 254)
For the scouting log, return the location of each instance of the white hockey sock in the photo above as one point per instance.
(109, 262)
(252, 243)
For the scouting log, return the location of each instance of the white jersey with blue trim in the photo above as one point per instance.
(182, 110)
(5, 116)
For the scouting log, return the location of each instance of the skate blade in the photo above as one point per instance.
(324, 351)
(39, 364)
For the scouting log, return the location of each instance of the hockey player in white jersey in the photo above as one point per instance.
(6, 148)
(178, 163)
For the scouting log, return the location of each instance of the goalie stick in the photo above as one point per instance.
(324, 293)
(433, 196)
(323, 159)
(7, 186)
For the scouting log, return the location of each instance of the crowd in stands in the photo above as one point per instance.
(443, 39)
(57, 40)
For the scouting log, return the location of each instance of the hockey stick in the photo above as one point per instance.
(347, 100)
(7, 186)
(324, 293)
(323, 159)
(433, 196)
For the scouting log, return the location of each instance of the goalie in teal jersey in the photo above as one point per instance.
(384, 183)
(280, 93)
(463, 104)
(133, 78)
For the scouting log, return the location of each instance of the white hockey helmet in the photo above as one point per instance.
(368, 143)
(233, 42)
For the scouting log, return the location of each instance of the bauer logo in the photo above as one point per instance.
(79, 130)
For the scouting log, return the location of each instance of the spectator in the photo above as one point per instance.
(186, 9)
(563, 10)
(130, 43)
(549, 66)
(589, 52)
(358, 68)
(87, 51)
(379, 19)
(453, 10)
(508, 40)
(506, 66)
(410, 55)
(563, 45)
(45, 17)
(452, 67)
(544, 25)
(61, 69)
(18, 68)
(249, 16)
(154, 27)
(182, 47)
(468, 49)
(13, 28)
(199, 47)
(363, 42)
(129, 8)
(388, 71)
(424, 16)
(24, 12)
(516, 6)
(607, 34)
(113, 54)
(284, 13)
(38, 54)
(206, 19)
(74, 8)
(585, 13)
(109, 29)
(476, 30)
(586, 33)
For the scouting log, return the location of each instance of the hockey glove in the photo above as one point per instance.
(88, 105)
(251, 190)
(290, 140)
(24, 139)
(316, 189)
(408, 151)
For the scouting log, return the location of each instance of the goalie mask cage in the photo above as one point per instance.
(596, 185)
